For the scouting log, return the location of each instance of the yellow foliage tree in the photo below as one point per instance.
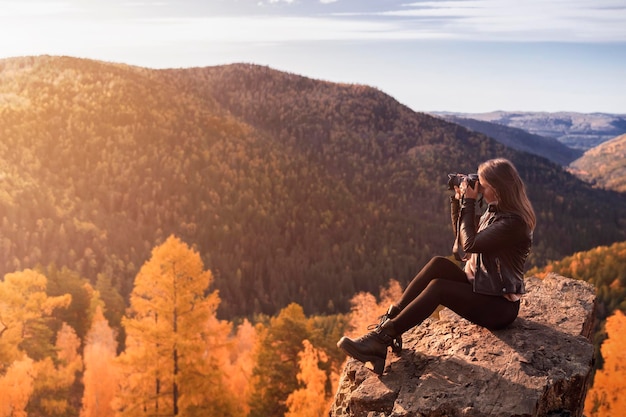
(607, 397)
(365, 307)
(239, 364)
(26, 341)
(55, 377)
(310, 400)
(99, 377)
(23, 307)
(67, 346)
(169, 366)
(16, 388)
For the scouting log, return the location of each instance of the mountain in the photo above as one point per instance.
(604, 165)
(291, 189)
(576, 130)
(521, 140)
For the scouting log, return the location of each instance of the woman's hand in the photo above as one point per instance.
(457, 192)
(469, 192)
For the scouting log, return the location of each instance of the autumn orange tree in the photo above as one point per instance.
(27, 345)
(311, 400)
(56, 378)
(99, 377)
(16, 387)
(239, 364)
(24, 311)
(607, 397)
(168, 366)
(366, 308)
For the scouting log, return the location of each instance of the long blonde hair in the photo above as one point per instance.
(510, 190)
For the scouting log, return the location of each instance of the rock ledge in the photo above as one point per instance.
(540, 366)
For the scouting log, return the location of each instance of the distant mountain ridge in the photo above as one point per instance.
(577, 130)
(521, 140)
(291, 189)
(604, 165)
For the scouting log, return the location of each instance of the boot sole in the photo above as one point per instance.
(372, 362)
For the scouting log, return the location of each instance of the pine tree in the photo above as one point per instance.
(277, 362)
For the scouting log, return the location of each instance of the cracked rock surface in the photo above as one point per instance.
(541, 365)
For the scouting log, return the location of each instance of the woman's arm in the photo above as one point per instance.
(455, 207)
(506, 230)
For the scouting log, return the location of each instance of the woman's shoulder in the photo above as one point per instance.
(514, 219)
(510, 216)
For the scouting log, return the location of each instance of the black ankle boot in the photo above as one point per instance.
(391, 313)
(371, 348)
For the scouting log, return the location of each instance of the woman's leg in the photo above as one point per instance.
(440, 282)
(372, 347)
(437, 267)
(492, 312)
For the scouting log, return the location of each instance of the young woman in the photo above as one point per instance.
(488, 289)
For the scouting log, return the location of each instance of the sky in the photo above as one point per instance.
(467, 56)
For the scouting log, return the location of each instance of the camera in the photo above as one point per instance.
(457, 179)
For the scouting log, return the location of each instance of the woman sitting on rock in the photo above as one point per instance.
(488, 289)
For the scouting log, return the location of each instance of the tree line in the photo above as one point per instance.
(178, 357)
(60, 354)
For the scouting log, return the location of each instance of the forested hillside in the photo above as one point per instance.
(605, 165)
(604, 267)
(290, 189)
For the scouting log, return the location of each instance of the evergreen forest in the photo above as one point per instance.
(291, 189)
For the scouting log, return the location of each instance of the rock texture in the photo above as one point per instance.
(540, 366)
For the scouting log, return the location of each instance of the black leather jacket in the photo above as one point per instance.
(502, 241)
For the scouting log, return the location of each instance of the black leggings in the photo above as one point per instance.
(442, 282)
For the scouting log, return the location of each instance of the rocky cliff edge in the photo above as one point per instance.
(539, 366)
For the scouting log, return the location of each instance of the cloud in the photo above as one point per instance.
(528, 20)
(482, 20)
(582, 21)
(263, 29)
(17, 9)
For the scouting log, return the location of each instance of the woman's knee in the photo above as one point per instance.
(439, 261)
(443, 267)
(436, 288)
